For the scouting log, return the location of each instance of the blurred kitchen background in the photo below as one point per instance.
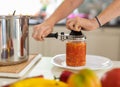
(104, 41)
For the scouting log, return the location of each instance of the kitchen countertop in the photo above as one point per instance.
(44, 67)
(62, 24)
(35, 22)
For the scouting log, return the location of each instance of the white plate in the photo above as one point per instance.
(92, 61)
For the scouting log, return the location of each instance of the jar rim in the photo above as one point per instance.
(77, 37)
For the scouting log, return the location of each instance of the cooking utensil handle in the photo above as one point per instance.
(53, 35)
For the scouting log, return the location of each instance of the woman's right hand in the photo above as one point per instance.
(78, 23)
(42, 30)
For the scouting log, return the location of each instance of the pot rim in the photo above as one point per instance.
(14, 16)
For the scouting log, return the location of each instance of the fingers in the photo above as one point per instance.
(37, 33)
(41, 31)
(73, 24)
(77, 27)
(70, 24)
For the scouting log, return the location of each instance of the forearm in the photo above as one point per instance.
(64, 10)
(111, 12)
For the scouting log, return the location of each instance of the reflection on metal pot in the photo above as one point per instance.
(14, 39)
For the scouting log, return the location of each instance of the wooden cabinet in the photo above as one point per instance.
(102, 42)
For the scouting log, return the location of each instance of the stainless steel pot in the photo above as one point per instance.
(14, 39)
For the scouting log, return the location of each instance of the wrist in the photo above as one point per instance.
(98, 21)
(95, 23)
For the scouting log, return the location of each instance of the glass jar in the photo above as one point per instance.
(76, 51)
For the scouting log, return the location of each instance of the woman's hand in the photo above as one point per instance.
(42, 30)
(78, 23)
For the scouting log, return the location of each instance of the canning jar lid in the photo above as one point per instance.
(77, 37)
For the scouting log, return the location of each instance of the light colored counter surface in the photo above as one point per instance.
(44, 67)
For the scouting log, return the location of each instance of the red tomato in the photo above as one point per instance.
(111, 78)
